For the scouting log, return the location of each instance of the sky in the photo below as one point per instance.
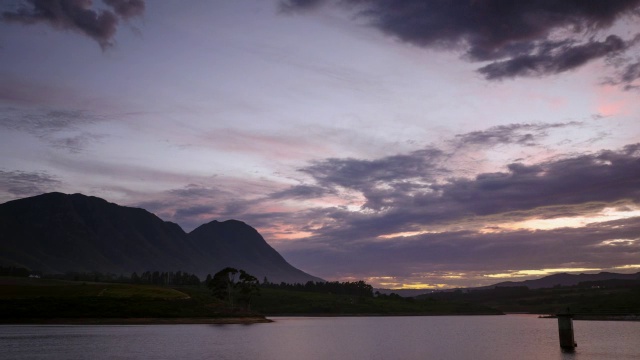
(410, 144)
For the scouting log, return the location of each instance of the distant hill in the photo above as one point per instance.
(56, 233)
(564, 279)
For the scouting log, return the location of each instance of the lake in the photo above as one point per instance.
(300, 338)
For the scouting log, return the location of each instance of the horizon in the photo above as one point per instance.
(361, 139)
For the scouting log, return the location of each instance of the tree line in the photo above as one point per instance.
(229, 284)
(14, 271)
(147, 277)
(356, 288)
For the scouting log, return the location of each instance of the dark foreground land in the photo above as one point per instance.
(601, 300)
(25, 300)
(46, 301)
(286, 302)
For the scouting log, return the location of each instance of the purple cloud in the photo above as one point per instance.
(23, 183)
(76, 15)
(520, 38)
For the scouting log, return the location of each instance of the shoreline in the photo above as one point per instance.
(137, 321)
(630, 317)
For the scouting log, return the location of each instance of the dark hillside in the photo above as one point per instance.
(244, 248)
(57, 233)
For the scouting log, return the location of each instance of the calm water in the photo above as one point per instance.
(445, 337)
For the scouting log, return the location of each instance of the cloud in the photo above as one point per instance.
(23, 184)
(299, 5)
(76, 15)
(42, 122)
(195, 211)
(554, 59)
(127, 8)
(301, 192)
(430, 258)
(75, 143)
(379, 180)
(626, 76)
(521, 134)
(401, 180)
(520, 38)
(53, 126)
(195, 204)
(413, 201)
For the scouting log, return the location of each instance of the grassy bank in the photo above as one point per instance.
(24, 300)
(283, 302)
(604, 301)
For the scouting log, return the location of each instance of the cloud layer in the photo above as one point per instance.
(519, 38)
(77, 15)
(23, 184)
(62, 129)
(425, 219)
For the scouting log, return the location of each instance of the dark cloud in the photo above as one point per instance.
(127, 8)
(557, 188)
(379, 180)
(75, 144)
(626, 76)
(351, 172)
(521, 38)
(76, 15)
(301, 192)
(299, 5)
(23, 184)
(554, 60)
(53, 126)
(196, 204)
(521, 134)
(630, 74)
(604, 177)
(194, 211)
(45, 121)
(468, 252)
(402, 180)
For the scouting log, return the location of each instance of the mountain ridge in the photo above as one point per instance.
(56, 232)
(564, 279)
(561, 279)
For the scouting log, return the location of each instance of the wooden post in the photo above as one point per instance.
(565, 329)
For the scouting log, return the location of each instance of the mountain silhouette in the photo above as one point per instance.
(565, 279)
(57, 233)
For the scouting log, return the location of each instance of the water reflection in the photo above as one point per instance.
(445, 337)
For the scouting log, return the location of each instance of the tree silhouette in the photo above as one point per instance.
(249, 286)
(222, 284)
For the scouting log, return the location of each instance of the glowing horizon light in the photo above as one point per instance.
(617, 242)
(421, 286)
(293, 236)
(523, 273)
(606, 214)
(405, 234)
(634, 266)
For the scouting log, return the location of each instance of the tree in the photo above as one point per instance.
(135, 278)
(248, 286)
(222, 284)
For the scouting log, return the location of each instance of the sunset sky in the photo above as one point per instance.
(414, 144)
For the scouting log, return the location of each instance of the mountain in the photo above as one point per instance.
(564, 279)
(56, 233)
(240, 246)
